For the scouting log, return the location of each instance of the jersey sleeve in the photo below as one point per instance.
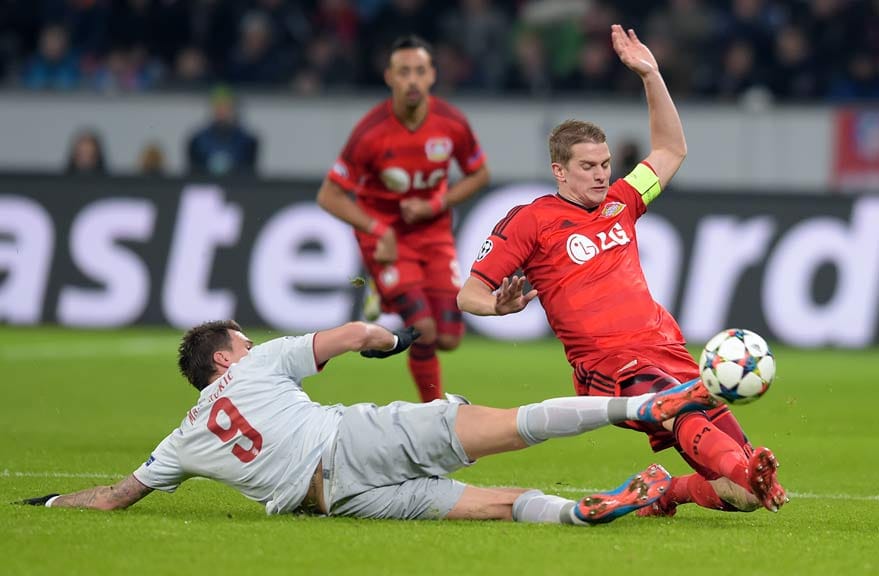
(468, 152)
(291, 356)
(642, 183)
(352, 164)
(509, 245)
(162, 470)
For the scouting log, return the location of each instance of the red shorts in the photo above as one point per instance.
(635, 372)
(422, 283)
(429, 263)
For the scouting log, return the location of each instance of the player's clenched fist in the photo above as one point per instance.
(402, 340)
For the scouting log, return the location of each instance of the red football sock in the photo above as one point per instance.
(694, 488)
(712, 447)
(678, 492)
(425, 369)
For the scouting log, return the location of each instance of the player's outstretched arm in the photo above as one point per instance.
(372, 340)
(335, 200)
(120, 495)
(476, 297)
(668, 147)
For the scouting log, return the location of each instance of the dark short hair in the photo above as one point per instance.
(408, 42)
(195, 357)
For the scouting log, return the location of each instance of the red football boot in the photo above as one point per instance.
(640, 490)
(762, 477)
(692, 395)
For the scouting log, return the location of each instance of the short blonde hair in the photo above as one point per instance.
(570, 132)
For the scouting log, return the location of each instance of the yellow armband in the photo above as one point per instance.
(645, 181)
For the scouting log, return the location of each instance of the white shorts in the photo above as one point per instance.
(391, 461)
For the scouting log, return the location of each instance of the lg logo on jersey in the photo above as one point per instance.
(581, 249)
(398, 180)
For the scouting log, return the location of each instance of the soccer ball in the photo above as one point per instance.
(737, 366)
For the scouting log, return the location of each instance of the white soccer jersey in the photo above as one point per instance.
(254, 429)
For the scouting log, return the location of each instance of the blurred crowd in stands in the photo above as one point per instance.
(788, 50)
(219, 147)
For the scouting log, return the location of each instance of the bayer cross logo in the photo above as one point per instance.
(486, 248)
(340, 169)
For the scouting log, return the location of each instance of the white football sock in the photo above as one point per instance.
(568, 416)
(635, 402)
(535, 506)
(573, 415)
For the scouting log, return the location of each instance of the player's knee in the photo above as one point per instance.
(427, 327)
(447, 341)
(449, 322)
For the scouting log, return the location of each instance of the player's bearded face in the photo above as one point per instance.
(410, 75)
(586, 177)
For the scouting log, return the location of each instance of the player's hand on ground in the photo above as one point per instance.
(416, 210)
(632, 52)
(386, 248)
(509, 298)
(38, 501)
(404, 338)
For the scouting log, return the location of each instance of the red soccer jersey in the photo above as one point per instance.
(585, 267)
(385, 162)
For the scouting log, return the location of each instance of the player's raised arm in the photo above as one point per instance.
(120, 495)
(371, 340)
(668, 147)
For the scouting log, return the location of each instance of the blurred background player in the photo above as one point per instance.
(396, 163)
(579, 251)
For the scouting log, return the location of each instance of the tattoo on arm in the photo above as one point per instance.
(120, 495)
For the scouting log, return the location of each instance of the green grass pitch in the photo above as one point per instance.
(85, 408)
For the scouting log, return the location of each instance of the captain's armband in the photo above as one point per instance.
(645, 181)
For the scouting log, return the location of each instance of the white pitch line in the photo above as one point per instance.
(11, 474)
(143, 346)
(563, 489)
(803, 495)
